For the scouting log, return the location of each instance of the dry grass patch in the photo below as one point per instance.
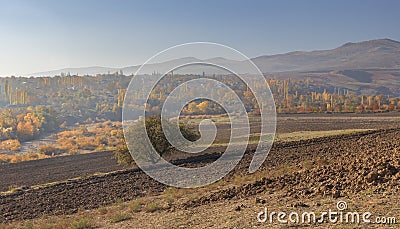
(136, 206)
(120, 217)
(102, 210)
(11, 145)
(22, 157)
(305, 135)
(153, 207)
(84, 223)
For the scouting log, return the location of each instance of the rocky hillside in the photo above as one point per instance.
(381, 53)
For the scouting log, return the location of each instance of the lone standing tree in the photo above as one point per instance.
(156, 136)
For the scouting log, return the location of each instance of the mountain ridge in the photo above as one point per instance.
(378, 53)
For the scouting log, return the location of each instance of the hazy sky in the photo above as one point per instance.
(37, 35)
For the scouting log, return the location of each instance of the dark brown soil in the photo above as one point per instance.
(339, 166)
(288, 123)
(30, 173)
(61, 168)
(92, 192)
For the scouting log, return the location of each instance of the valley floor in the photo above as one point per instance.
(361, 168)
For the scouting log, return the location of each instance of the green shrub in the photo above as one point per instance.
(156, 136)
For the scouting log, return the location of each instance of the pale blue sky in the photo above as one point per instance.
(39, 35)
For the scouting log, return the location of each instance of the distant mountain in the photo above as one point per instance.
(80, 71)
(381, 53)
(198, 69)
(149, 68)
